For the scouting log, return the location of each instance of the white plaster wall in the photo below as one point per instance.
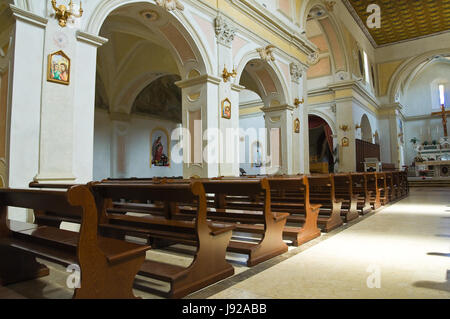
(256, 122)
(137, 148)
(418, 98)
(358, 113)
(385, 140)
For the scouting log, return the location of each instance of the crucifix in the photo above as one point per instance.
(444, 120)
(444, 115)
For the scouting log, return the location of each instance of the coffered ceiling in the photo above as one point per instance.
(402, 20)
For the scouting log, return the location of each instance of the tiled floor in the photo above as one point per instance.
(401, 251)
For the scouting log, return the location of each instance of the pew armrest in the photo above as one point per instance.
(280, 216)
(218, 228)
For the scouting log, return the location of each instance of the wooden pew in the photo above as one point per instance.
(300, 230)
(263, 221)
(344, 190)
(383, 187)
(359, 187)
(321, 191)
(391, 190)
(211, 239)
(108, 266)
(374, 189)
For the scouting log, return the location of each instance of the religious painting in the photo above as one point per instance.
(297, 126)
(226, 109)
(58, 68)
(345, 142)
(160, 148)
(257, 154)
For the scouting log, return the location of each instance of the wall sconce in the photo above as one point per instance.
(357, 126)
(345, 128)
(297, 102)
(63, 14)
(226, 75)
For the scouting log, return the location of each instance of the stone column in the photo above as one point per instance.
(228, 94)
(119, 131)
(201, 118)
(25, 73)
(389, 115)
(300, 140)
(345, 135)
(279, 125)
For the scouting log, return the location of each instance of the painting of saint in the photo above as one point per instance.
(159, 149)
(58, 68)
(226, 109)
(297, 126)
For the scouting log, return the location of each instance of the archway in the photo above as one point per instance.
(366, 129)
(321, 149)
(138, 104)
(263, 89)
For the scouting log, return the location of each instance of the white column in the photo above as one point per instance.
(201, 116)
(26, 74)
(119, 130)
(84, 105)
(280, 127)
(300, 141)
(344, 117)
(24, 104)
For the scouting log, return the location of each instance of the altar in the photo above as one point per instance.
(434, 160)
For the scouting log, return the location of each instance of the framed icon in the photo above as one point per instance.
(226, 109)
(58, 68)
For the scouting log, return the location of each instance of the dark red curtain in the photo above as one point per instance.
(315, 122)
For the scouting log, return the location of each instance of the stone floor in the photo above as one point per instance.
(400, 251)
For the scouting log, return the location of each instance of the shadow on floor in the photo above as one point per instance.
(443, 286)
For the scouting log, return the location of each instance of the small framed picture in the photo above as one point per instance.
(297, 126)
(226, 109)
(345, 142)
(58, 68)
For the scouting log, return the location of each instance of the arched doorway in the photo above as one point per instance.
(366, 129)
(321, 154)
(263, 89)
(138, 104)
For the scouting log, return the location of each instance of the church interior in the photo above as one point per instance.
(224, 149)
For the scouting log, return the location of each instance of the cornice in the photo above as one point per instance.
(91, 38)
(284, 107)
(26, 16)
(357, 87)
(275, 25)
(198, 80)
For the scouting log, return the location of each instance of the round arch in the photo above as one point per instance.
(275, 73)
(106, 7)
(407, 70)
(366, 129)
(307, 6)
(326, 118)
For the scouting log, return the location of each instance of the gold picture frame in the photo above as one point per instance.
(345, 142)
(297, 125)
(226, 109)
(58, 70)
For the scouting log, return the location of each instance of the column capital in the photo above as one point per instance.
(91, 38)
(278, 108)
(202, 79)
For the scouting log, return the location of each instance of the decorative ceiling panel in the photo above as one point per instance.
(402, 20)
